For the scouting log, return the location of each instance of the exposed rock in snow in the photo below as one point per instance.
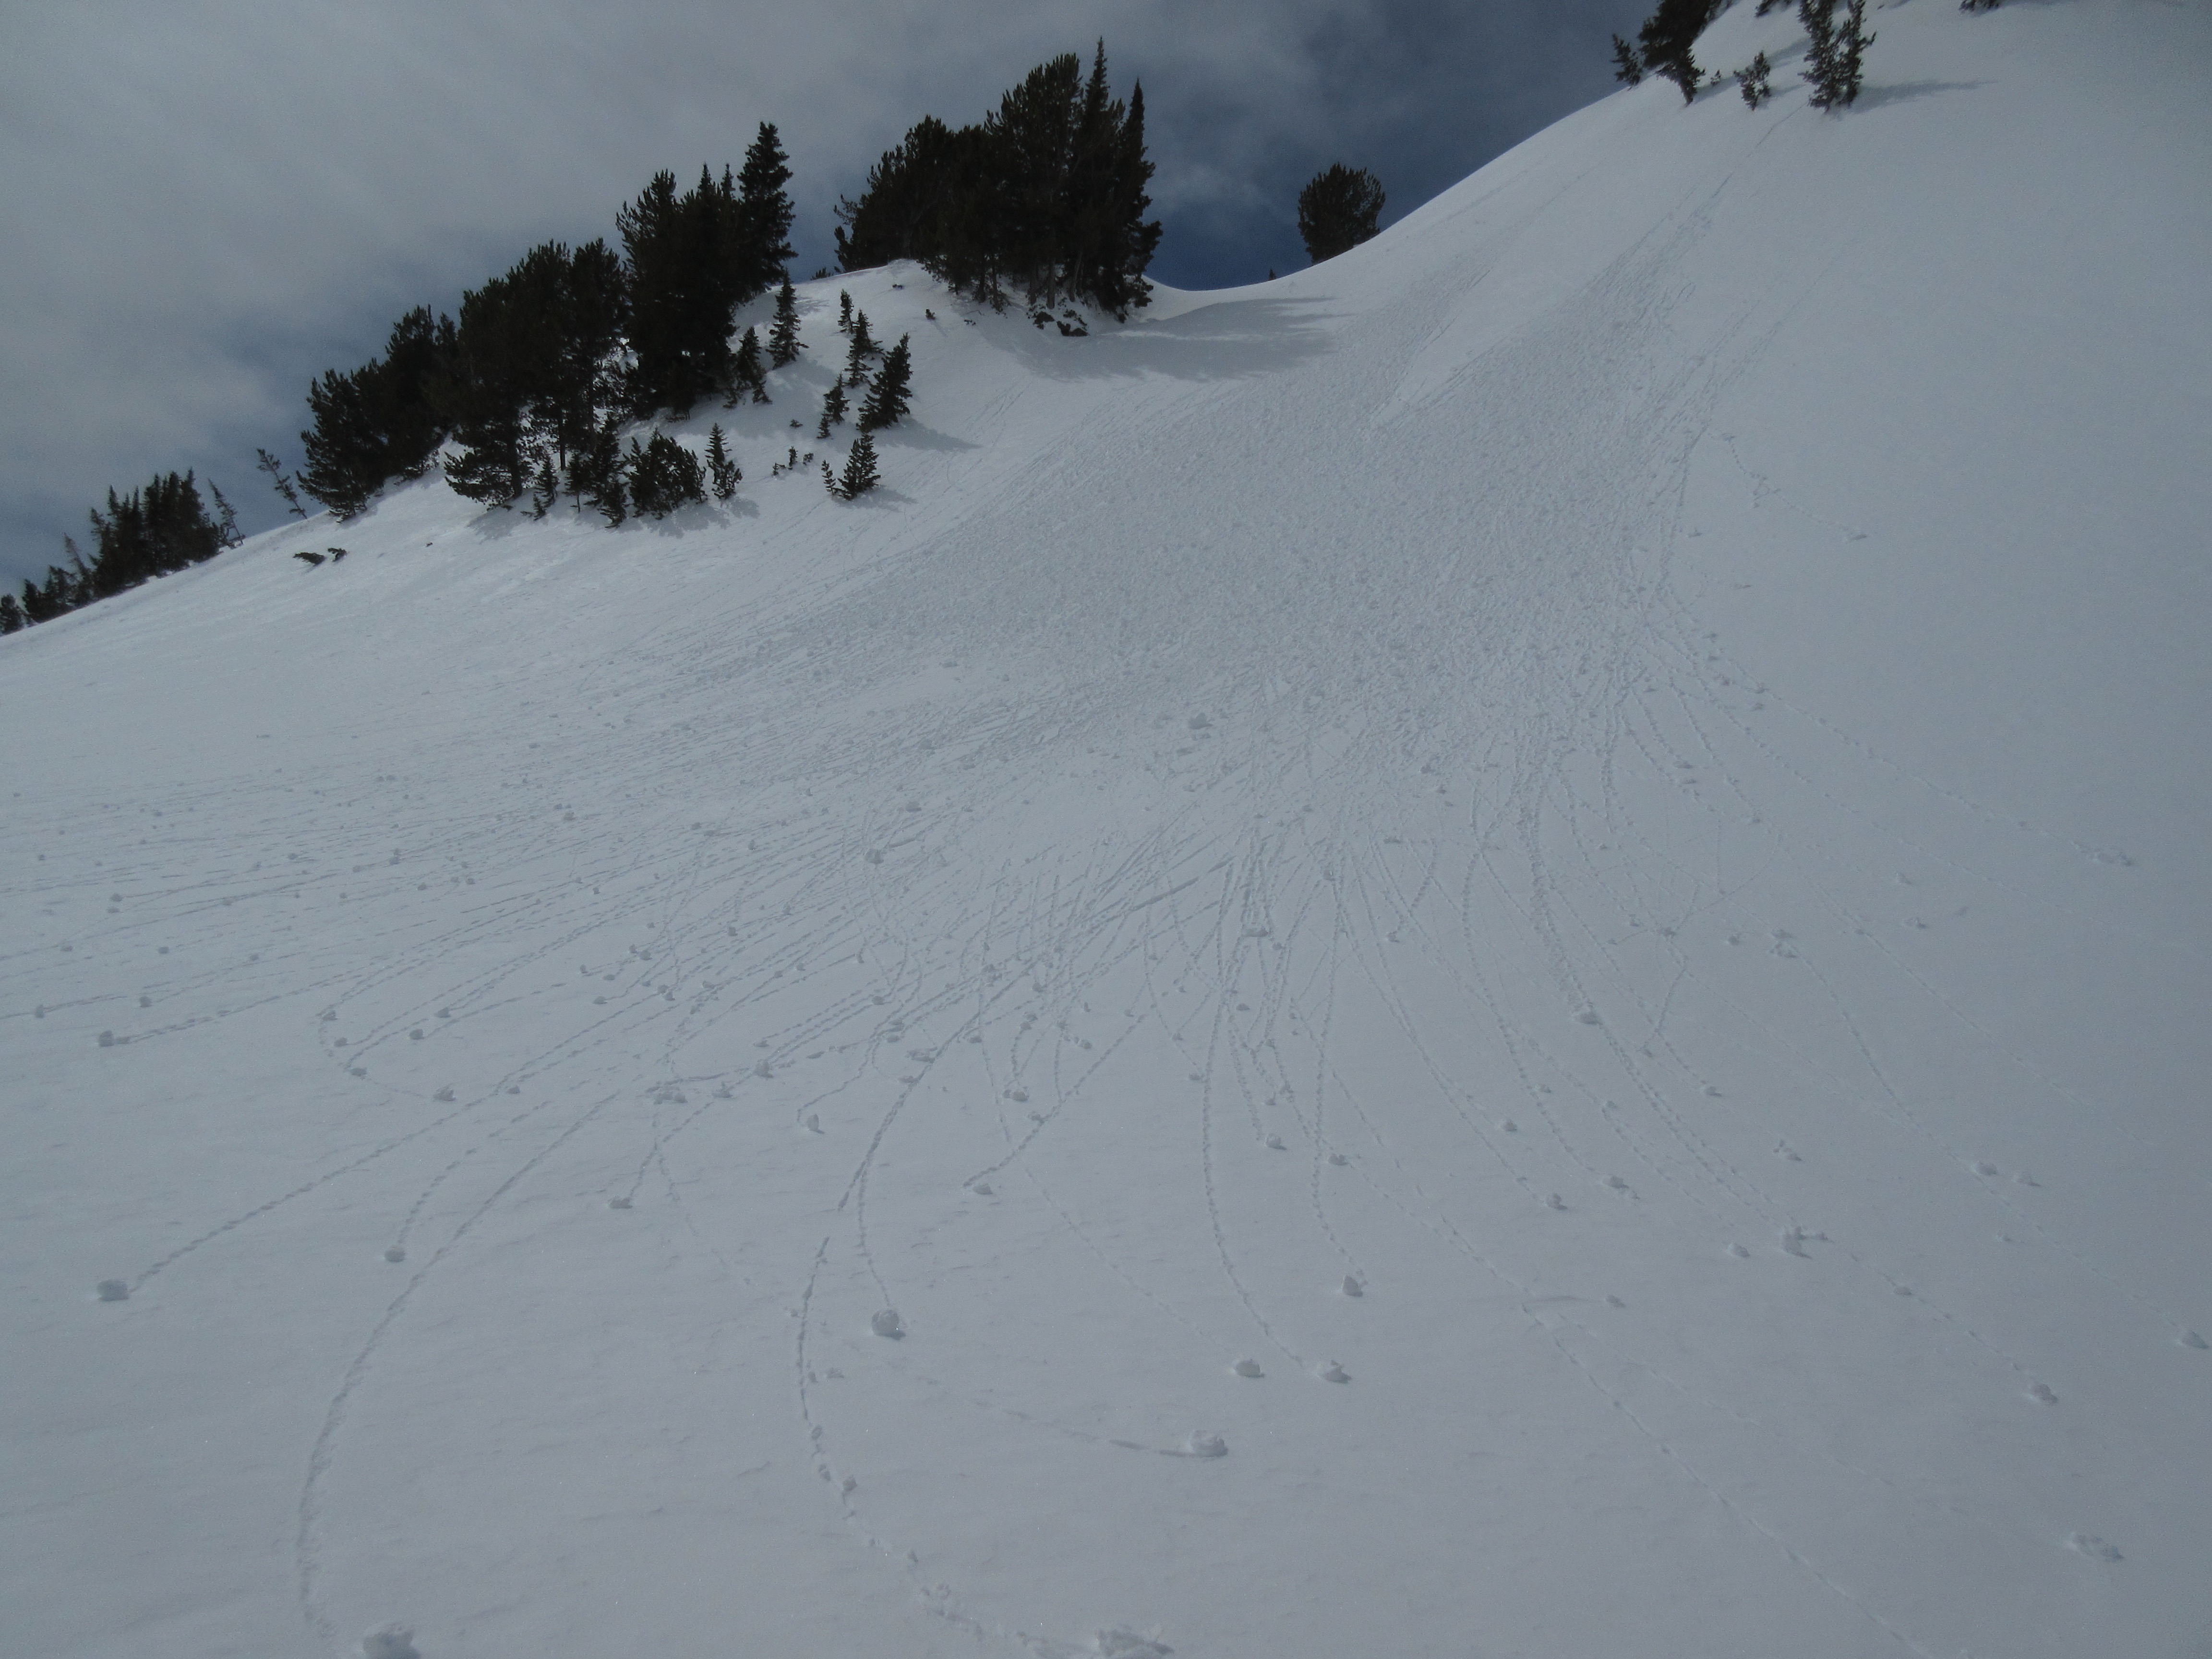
(391, 1642)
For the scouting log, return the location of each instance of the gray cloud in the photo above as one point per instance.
(209, 203)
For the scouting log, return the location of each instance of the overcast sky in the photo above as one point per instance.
(206, 204)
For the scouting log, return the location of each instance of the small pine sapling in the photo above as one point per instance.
(860, 474)
(274, 468)
(784, 344)
(545, 488)
(829, 479)
(844, 312)
(864, 347)
(1752, 81)
(1628, 67)
(226, 533)
(721, 468)
(887, 399)
(833, 408)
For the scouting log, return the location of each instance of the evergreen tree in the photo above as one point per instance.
(1833, 65)
(859, 475)
(268, 464)
(228, 534)
(844, 312)
(686, 268)
(587, 374)
(1046, 195)
(863, 348)
(784, 344)
(595, 471)
(379, 423)
(887, 399)
(1626, 65)
(545, 487)
(747, 372)
(1752, 81)
(721, 469)
(150, 533)
(764, 216)
(663, 477)
(501, 347)
(1339, 209)
(11, 615)
(1669, 36)
(833, 408)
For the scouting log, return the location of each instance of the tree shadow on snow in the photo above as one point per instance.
(685, 519)
(910, 434)
(1906, 91)
(1231, 339)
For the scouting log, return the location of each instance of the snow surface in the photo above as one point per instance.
(1648, 727)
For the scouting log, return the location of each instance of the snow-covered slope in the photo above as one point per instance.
(1579, 834)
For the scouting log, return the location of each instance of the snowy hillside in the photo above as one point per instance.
(1501, 950)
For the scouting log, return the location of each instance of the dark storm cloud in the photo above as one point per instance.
(208, 203)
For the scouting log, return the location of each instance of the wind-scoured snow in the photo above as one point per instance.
(1500, 950)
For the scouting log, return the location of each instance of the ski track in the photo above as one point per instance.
(1505, 941)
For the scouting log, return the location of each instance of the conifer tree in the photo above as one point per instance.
(379, 423)
(1752, 81)
(595, 471)
(1047, 195)
(151, 531)
(502, 345)
(663, 477)
(863, 348)
(833, 408)
(859, 475)
(764, 214)
(545, 486)
(1832, 61)
(1626, 65)
(784, 344)
(747, 374)
(887, 399)
(844, 312)
(228, 534)
(268, 464)
(1668, 38)
(1340, 208)
(721, 469)
(686, 268)
(11, 615)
